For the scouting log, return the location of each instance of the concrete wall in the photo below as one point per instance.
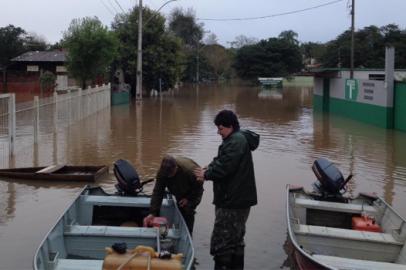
(368, 101)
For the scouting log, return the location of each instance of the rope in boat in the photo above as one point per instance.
(132, 257)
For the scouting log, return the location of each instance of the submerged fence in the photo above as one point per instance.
(23, 124)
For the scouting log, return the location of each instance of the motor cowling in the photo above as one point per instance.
(331, 180)
(128, 181)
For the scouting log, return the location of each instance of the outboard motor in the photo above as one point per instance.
(331, 185)
(128, 181)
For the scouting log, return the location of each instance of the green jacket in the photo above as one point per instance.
(182, 185)
(232, 171)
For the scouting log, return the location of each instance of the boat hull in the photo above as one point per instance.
(96, 220)
(323, 236)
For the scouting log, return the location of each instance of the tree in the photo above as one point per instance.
(275, 57)
(241, 41)
(161, 50)
(183, 24)
(211, 39)
(369, 47)
(35, 42)
(91, 49)
(11, 45)
(312, 52)
(290, 36)
(47, 81)
(219, 60)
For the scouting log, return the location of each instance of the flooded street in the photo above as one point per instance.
(292, 137)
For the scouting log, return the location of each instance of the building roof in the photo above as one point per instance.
(41, 56)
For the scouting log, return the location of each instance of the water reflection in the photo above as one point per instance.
(292, 137)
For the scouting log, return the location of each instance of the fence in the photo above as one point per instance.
(24, 124)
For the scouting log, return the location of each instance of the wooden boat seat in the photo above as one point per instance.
(336, 207)
(383, 238)
(113, 231)
(51, 169)
(345, 263)
(70, 264)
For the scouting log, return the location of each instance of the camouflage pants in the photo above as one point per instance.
(228, 232)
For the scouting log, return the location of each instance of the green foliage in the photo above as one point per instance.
(275, 57)
(369, 47)
(312, 50)
(183, 24)
(289, 36)
(47, 80)
(11, 43)
(34, 42)
(241, 41)
(91, 48)
(219, 59)
(161, 50)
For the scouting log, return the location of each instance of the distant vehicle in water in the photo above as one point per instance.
(332, 231)
(271, 82)
(57, 173)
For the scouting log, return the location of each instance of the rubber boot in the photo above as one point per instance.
(223, 262)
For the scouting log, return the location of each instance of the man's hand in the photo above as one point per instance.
(182, 203)
(199, 173)
(148, 219)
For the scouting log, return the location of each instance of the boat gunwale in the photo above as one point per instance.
(54, 226)
(292, 236)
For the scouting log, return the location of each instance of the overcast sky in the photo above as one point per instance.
(49, 18)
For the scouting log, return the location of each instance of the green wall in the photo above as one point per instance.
(371, 114)
(118, 98)
(317, 103)
(400, 106)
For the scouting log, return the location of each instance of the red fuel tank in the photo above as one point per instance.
(365, 223)
(159, 222)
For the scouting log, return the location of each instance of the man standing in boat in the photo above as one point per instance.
(232, 173)
(177, 174)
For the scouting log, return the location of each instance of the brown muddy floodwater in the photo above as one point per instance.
(292, 137)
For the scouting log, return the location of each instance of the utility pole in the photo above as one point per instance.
(352, 39)
(138, 92)
(197, 64)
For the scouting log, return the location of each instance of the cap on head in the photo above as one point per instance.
(168, 166)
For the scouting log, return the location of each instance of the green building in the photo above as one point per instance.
(373, 96)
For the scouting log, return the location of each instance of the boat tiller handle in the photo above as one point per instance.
(346, 181)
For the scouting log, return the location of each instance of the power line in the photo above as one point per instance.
(118, 4)
(108, 9)
(272, 15)
(111, 4)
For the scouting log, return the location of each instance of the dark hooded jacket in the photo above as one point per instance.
(232, 171)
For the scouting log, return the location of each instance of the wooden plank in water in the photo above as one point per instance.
(51, 169)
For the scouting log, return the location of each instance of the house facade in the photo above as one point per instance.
(24, 73)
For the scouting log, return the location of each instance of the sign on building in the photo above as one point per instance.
(351, 89)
